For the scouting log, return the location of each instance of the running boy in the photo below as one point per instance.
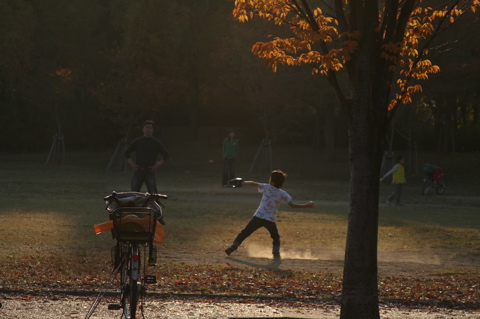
(266, 213)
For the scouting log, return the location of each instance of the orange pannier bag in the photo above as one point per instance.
(143, 223)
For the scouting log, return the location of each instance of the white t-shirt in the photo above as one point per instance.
(271, 199)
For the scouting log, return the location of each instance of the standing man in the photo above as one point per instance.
(229, 152)
(146, 150)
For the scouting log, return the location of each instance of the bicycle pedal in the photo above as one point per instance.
(114, 306)
(150, 279)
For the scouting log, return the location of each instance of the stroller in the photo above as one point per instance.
(433, 179)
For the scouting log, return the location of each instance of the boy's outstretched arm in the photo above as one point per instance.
(249, 183)
(308, 204)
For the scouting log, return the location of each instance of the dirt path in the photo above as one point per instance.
(399, 264)
(77, 307)
(391, 263)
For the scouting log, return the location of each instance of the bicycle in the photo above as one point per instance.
(434, 178)
(136, 221)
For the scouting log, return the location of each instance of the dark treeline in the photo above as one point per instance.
(91, 71)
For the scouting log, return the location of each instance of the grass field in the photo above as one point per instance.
(47, 212)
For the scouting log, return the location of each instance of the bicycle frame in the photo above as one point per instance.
(429, 183)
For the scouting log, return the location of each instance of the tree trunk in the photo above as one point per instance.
(367, 131)
(360, 292)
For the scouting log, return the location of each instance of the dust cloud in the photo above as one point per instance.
(415, 257)
(259, 251)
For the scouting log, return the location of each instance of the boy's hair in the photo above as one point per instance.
(148, 122)
(278, 178)
(399, 158)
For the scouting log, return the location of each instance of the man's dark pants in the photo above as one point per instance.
(144, 176)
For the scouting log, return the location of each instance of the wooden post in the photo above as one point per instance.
(265, 148)
(120, 150)
(58, 145)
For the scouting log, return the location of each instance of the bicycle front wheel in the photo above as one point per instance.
(440, 188)
(427, 184)
(131, 284)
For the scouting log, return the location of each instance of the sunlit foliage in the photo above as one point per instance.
(328, 40)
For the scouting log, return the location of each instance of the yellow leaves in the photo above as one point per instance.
(311, 57)
(475, 4)
(410, 51)
(446, 12)
(242, 18)
(392, 104)
(241, 14)
(317, 12)
(276, 10)
(287, 52)
(418, 29)
(298, 50)
(417, 11)
(421, 69)
(437, 14)
(403, 58)
(411, 69)
(280, 51)
(414, 89)
(406, 93)
(303, 24)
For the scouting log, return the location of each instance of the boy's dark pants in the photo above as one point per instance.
(256, 223)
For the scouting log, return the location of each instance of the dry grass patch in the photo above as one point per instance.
(48, 212)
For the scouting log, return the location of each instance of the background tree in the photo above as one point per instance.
(151, 45)
(381, 46)
(452, 93)
(141, 75)
(17, 25)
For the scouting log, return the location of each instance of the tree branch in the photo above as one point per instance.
(421, 53)
(340, 15)
(390, 19)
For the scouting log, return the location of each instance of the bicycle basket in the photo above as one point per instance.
(134, 224)
(134, 199)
